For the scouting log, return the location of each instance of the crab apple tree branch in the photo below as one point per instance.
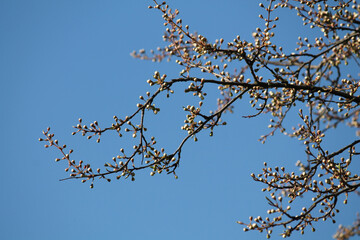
(314, 81)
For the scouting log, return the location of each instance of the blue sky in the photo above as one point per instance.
(61, 60)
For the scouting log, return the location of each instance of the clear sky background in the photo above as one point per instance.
(61, 60)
